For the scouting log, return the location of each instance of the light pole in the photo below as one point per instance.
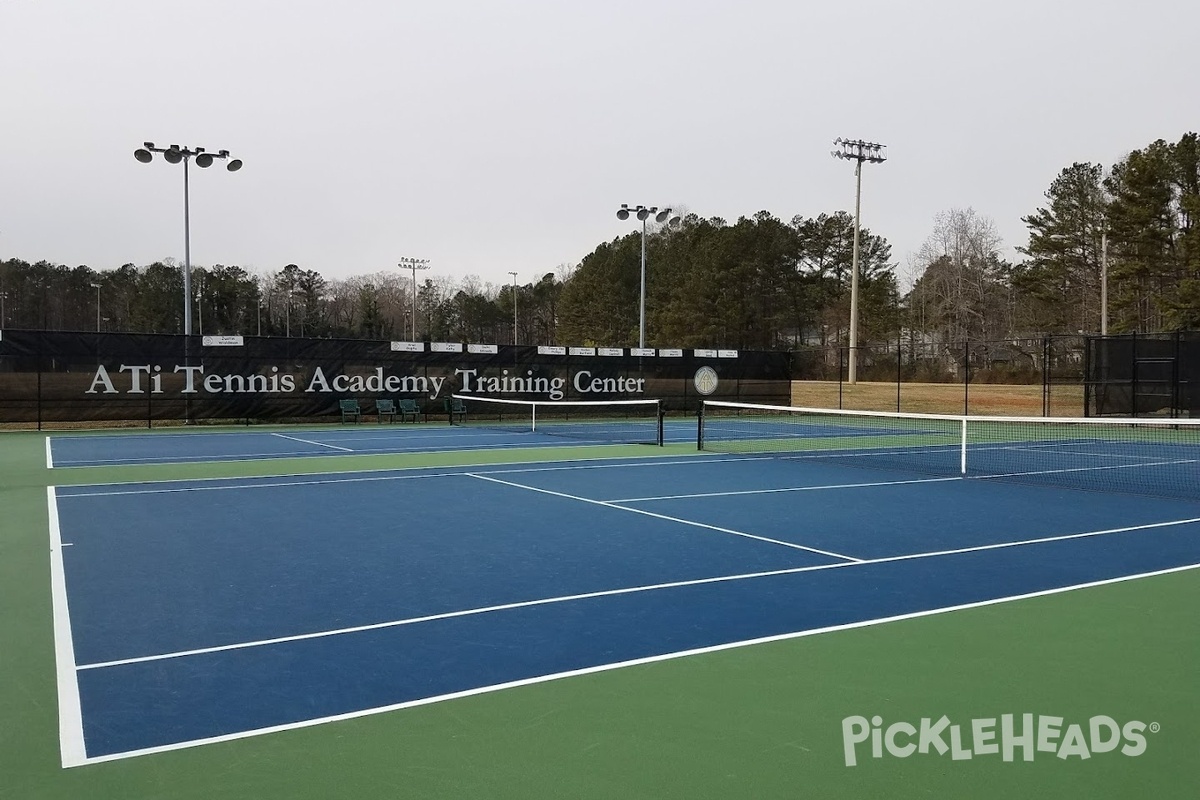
(173, 155)
(287, 315)
(96, 286)
(857, 151)
(414, 264)
(1104, 283)
(200, 306)
(643, 213)
(3, 316)
(514, 306)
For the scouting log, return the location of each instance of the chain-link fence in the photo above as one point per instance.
(1016, 377)
(1139, 375)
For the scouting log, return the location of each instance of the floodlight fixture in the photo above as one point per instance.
(858, 151)
(174, 154)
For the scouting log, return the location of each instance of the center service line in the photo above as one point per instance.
(607, 504)
(318, 444)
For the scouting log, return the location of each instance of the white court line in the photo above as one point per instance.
(49, 455)
(175, 459)
(309, 441)
(267, 481)
(643, 512)
(1086, 469)
(308, 723)
(251, 457)
(786, 489)
(1042, 448)
(627, 590)
(70, 713)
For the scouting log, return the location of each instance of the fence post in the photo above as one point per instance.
(966, 377)
(839, 376)
(1133, 376)
(1175, 377)
(1045, 376)
(39, 386)
(899, 365)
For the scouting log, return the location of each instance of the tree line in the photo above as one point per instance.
(757, 283)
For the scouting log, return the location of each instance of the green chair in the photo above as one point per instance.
(408, 408)
(456, 408)
(350, 410)
(385, 408)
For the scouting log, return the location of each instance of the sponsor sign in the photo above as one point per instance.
(221, 341)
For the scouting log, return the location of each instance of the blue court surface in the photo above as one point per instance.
(117, 449)
(191, 612)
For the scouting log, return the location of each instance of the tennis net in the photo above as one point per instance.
(1158, 457)
(614, 421)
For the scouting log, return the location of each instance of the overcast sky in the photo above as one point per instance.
(498, 136)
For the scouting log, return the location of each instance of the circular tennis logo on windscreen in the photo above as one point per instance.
(706, 380)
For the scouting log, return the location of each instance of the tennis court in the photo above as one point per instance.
(484, 429)
(225, 609)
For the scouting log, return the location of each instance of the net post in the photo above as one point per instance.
(661, 413)
(962, 464)
(533, 418)
(700, 426)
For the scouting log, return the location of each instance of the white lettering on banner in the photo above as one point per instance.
(1101, 734)
(101, 377)
(189, 378)
(620, 385)
(531, 383)
(143, 378)
(318, 382)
